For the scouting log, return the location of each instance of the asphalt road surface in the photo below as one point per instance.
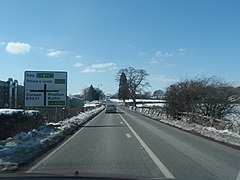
(126, 144)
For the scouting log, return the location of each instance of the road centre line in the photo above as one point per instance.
(128, 135)
(155, 159)
(54, 151)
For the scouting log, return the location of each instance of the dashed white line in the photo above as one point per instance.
(128, 135)
(155, 159)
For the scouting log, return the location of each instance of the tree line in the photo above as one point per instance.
(91, 94)
(209, 96)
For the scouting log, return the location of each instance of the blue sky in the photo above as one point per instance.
(93, 39)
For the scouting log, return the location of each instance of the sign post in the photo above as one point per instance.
(45, 89)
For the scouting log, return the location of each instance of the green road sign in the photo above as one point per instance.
(45, 89)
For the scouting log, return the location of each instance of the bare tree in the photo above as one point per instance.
(136, 79)
(214, 97)
(208, 96)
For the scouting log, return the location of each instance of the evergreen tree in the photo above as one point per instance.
(123, 91)
(136, 81)
(92, 94)
(158, 94)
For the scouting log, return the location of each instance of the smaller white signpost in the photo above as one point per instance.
(45, 89)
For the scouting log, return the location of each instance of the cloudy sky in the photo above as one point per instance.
(93, 39)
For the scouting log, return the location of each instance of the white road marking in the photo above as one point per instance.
(238, 177)
(128, 135)
(155, 159)
(53, 152)
(121, 122)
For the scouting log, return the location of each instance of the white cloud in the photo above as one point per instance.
(169, 54)
(101, 67)
(78, 65)
(18, 48)
(89, 70)
(2, 43)
(142, 53)
(101, 71)
(153, 62)
(158, 53)
(56, 53)
(170, 65)
(161, 54)
(40, 48)
(181, 50)
(163, 79)
(104, 65)
(78, 56)
(113, 68)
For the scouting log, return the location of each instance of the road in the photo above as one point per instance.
(126, 144)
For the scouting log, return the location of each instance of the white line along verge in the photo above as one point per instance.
(155, 159)
(53, 152)
(238, 177)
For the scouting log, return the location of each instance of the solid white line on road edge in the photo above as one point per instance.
(128, 135)
(155, 159)
(238, 177)
(53, 152)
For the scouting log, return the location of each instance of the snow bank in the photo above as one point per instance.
(16, 111)
(234, 116)
(150, 105)
(10, 111)
(225, 136)
(23, 147)
(90, 105)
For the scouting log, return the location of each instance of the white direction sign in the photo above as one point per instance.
(45, 89)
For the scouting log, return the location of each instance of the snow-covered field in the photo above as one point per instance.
(137, 100)
(142, 102)
(24, 147)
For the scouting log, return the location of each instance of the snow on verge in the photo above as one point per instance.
(24, 146)
(225, 135)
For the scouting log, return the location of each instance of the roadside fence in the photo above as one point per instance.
(188, 117)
